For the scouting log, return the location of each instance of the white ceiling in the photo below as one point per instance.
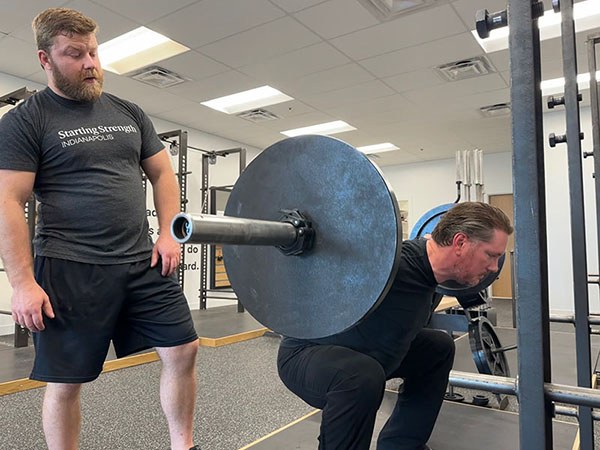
(337, 59)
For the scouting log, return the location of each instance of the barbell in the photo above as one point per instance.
(311, 236)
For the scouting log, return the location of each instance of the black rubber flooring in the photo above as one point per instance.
(459, 427)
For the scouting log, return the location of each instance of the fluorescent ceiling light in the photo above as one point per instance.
(338, 126)
(586, 15)
(377, 148)
(557, 85)
(136, 49)
(244, 101)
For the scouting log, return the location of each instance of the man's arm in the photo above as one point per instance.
(28, 298)
(166, 201)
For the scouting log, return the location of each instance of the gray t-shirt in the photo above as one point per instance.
(86, 156)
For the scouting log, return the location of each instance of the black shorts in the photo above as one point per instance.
(131, 304)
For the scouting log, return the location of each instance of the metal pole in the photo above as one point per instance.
(490, 383)
(513, 289)
(203, 248)
(566, 318)
(578, 241)
(573, 412)
(232, 230)
(535, 418)
(595, 112)
(182, 175)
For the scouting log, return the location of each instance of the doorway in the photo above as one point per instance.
(502, 287)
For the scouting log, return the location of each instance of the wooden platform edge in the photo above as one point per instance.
(279, 430)
(25, 384)
(232, 339)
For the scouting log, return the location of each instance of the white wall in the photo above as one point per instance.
(558, 213)
(429, 184)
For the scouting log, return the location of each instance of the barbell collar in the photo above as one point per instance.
(210, 229)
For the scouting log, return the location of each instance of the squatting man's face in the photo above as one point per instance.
(74, 67)
(478, 259)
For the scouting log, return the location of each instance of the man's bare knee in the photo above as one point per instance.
(63, 391)
(180, 356)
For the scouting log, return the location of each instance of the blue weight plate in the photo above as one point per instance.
(358, 237)
(429, 220)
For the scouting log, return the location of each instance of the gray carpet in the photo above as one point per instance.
(240, 399)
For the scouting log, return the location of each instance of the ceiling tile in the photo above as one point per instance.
(406, 31)
(418, 79)
(324, 19)
(297, 121)
(486, 98)
(500, 59)
(193, 65)
(110, 25)
(210, 20)
(295, 5)
(19, 14)
(18, 58)
(449, 93)
(290, 109)
(225, 83)
(327, 80)
(150, 11)
(375, 107)
(297, 63)
(261, 43)
(351, 95)
(186, 114)
(423, 56)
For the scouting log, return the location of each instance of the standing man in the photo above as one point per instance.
(345, 374)
(96, 276)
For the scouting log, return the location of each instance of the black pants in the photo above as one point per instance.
(348, 386)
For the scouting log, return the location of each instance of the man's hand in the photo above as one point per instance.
(28, 304)
(168, 251)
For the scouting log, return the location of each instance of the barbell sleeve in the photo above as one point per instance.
(210, 229)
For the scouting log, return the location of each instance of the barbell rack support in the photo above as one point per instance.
(572, 395)
(570, 318)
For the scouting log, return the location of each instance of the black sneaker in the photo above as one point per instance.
(195, 447)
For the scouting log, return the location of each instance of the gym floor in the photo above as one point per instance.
(240, 403)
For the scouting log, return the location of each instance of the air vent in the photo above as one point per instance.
(158, 77)
(466, 68)
(391, 9)
(497, 110)
(257, 115)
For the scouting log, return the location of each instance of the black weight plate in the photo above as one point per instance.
(483, 341)
(357, 243)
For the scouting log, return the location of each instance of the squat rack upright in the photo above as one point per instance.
(533, 388)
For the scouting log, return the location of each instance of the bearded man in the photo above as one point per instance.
(96, 276)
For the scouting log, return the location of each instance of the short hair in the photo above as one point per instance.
(476, 220)
(54, 21)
